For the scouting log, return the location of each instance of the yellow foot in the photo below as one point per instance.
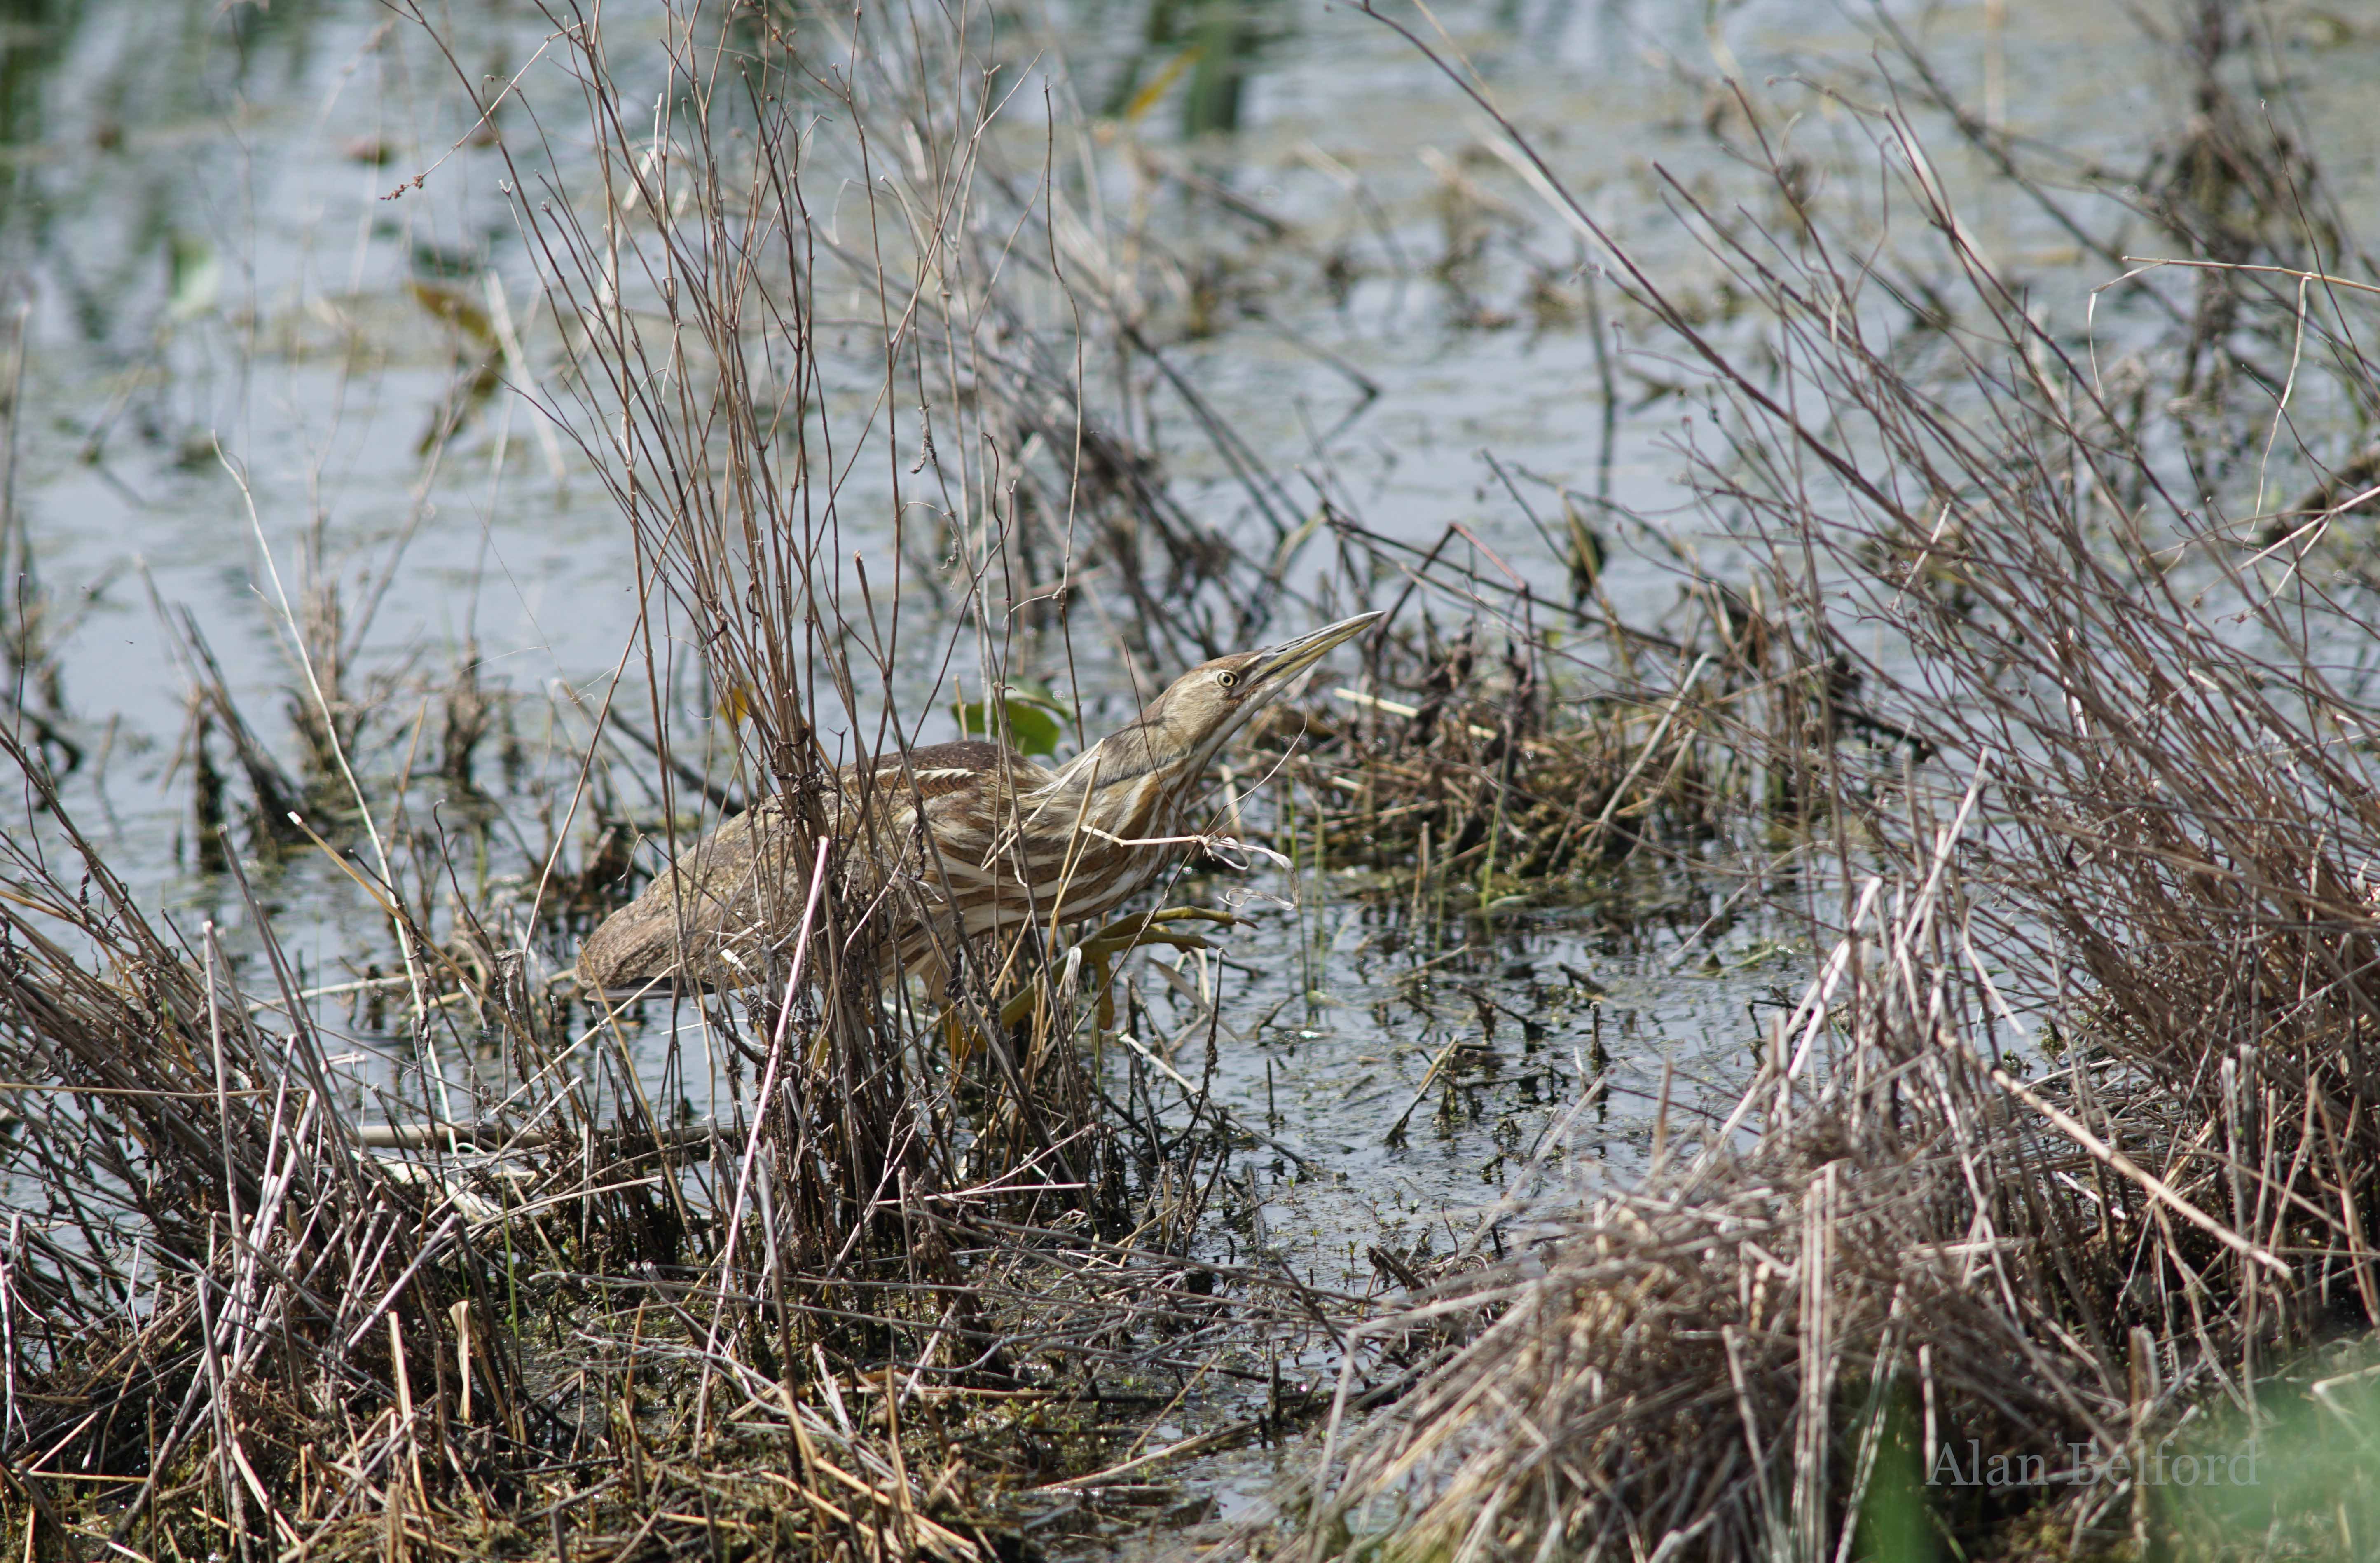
(964, 1040)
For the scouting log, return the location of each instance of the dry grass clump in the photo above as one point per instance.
(1465, 765)
(1758, 1342)
(206, 1277)
(1517, 759)
(1896, 1261)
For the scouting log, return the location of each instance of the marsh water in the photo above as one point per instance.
(237, 335)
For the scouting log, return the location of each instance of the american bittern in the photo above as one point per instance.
(951, 842)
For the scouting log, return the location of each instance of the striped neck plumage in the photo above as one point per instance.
(1123, 756)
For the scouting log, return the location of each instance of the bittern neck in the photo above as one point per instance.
(1126, 756)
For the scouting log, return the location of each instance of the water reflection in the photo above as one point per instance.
(26, 51)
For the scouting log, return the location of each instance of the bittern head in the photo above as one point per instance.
(1200, 711)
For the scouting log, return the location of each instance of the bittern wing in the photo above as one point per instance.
(733, 902)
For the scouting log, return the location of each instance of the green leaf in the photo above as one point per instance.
(1032, 727)
(196, 277)
(1031, 693)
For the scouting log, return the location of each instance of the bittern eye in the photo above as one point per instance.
(1228, 679)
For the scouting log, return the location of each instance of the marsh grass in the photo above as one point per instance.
(2069, 1140)
(2063, 1148)
(1527, 762)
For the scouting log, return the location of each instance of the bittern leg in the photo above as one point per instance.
(1099, 952)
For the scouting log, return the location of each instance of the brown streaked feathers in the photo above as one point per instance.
(953, 842)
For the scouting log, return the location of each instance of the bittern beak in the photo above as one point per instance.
(1275, 668)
